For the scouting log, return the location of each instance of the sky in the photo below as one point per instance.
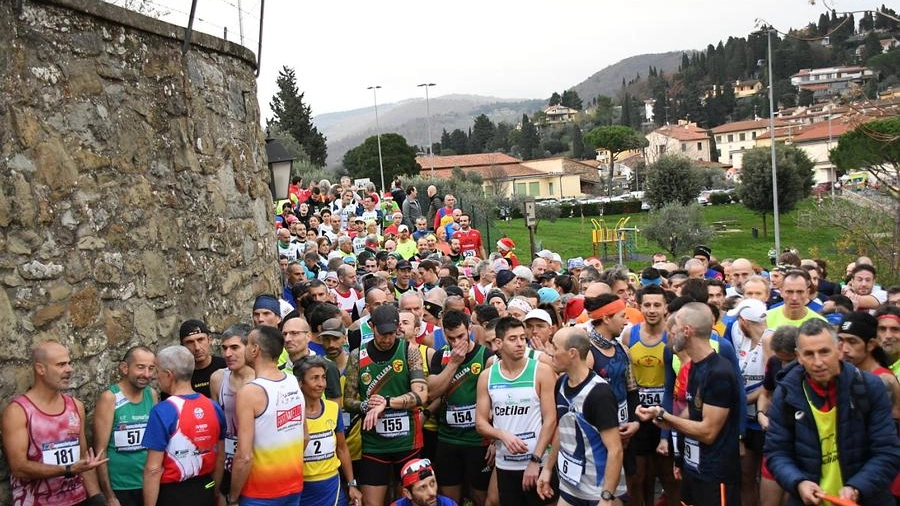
(521, 49)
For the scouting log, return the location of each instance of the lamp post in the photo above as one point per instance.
(375, 89)
(280, 163)
(769, 31)
(428, 123)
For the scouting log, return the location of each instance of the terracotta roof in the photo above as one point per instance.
(463, 161)
(738, 126)
(821, 130)
(488, 172)
(683, 132)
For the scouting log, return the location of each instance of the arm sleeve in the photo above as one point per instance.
(436, 367)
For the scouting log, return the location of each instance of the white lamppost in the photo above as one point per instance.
(428, 123)
(375, 89)
(769, 31)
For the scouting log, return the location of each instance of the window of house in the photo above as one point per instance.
(742, 136)
(683, 147)
(718, 138)
(661, 149)
(719, 153)
(534, 189)
(753, 135)
(550, 188)
(730, 137)
(520, 189)
(699, 146)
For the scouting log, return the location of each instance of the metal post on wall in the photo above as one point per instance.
(262, 8)
(190, 28)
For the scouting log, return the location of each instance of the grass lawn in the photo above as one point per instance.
(571, 237)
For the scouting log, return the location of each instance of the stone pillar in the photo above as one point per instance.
(133, 187)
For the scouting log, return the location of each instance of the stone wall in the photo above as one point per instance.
(133, 187)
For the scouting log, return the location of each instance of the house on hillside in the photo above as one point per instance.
(559, 114)
(748, 88)
(819, 139)
(685, 139)
(505, 176)
(738, 136)
(827, 82)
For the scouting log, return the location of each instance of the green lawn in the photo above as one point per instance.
(571, 237)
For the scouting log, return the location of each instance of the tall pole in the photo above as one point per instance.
(375, 89)
(428, 123)
(772, 139)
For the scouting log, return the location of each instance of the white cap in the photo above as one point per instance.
(524, 272)
(538, 314)
(545, 254)
(753, 310)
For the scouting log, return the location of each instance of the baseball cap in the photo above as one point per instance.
(385, 319)
(539, 314)
(404, 264)
(332, 327)
(415, 471)
(191, 327)
(545, 254)
(750, 309)
(547, 294)
(704, 251)
(332, 275)
(524, 272)
(860, 324)
(402, 228)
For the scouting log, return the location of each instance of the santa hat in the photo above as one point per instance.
(506, 244)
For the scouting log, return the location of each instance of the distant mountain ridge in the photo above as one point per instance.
(347, 129)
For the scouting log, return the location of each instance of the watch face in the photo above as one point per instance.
(606, 495)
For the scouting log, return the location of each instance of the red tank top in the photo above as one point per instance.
(191, 450)
(54, 440)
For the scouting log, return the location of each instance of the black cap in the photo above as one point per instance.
(454, 290)
(703, 251)
(385, 319)
(404, 264)
(860, 324)
(504, 277)
(191, 327)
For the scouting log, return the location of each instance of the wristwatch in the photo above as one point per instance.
(537, 460)
(69, 473)
(660, 415)
(364, 406)
(606, 495)
(353, 483)
(387, 402)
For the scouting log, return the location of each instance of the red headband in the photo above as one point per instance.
(607, 310)
(889, 317)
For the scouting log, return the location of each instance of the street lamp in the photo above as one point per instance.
(769, 31)
(280, 163)
(375, 89)
(428, 122)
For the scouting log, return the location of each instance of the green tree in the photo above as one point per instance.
(805, 98)
(615, 140)
(795, 178)
(294, 117)
(672, 179)
(571, 99)
(555, 99)
(482, 133)
(398, 158)
(604, 112)
(500, 140)
(872, 46)
(677, 228)
(578, 150)
(459, 142)
(529, 141)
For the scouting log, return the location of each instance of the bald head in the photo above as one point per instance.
(572, 337)
(42, 352)
(597, 289)
(741, 270)
(698, 316)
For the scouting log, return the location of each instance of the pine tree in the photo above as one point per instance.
(482, 133)
(555, 99)
(528, 140)
(294, 117)
(577, 143)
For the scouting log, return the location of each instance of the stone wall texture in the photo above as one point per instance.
(133, 187)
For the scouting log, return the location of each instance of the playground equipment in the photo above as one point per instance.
(621, 235)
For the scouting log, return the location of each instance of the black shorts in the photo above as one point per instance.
(574, 501)
(130, 497)
(381, 469)
(645, 440)
(695, 492)
(754, 439)
(509, 488)
(199, 491)
(429, 445)
(629, 460)
(457, 464)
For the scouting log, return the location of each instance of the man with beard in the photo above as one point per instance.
(120, 417)
(612, 362)
(469, 238)
(420, 487)
(456, 257)
(346, 294)
(860, 348)
(710, 470)
(194, 335)
(741, 270)
(888, 333)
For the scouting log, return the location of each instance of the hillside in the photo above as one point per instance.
(347, 129)
(609, 80)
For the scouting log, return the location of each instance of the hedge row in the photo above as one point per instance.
(597, 209)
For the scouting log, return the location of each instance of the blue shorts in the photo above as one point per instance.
(327, 492)
(288, 500)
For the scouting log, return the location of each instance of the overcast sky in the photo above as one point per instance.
(510, 49)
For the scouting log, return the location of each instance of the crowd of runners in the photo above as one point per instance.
(406, 362)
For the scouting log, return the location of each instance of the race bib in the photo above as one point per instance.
(461, 417)
(692, 453)
(570, 468)
(129, 437)
(61, 453)
(346, 418)
(393, 425)
(469, 253)
(623, 412)
(321, 447)
(230, 446)
(651, 396)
